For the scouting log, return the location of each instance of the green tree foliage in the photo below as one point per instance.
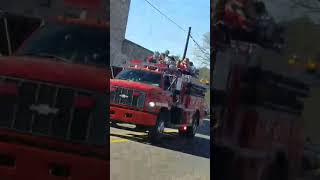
(302, 37)
(312, 5)
(204, 73)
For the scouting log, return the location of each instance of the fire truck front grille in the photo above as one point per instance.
(43, 109)
(128, 97)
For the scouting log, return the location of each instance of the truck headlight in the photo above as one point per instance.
(152, 104)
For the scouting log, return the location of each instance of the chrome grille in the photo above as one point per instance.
(124, 96)
(67, 123)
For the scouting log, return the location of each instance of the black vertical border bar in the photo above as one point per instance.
(211, 92)
(106, 3)
(212, 60)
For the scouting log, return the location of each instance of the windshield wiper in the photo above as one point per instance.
(46, 55)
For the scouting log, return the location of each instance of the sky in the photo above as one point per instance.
(150, 29)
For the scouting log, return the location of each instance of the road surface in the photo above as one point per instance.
(132, 157)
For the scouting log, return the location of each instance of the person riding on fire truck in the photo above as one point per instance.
(184, 66)
(153, 58)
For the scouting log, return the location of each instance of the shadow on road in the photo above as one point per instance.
(197, 146)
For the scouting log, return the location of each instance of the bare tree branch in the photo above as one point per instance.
(202, 54)
(313, 5)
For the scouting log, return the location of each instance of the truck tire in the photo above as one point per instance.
(191, 130)
(155, 133)
(112, 124)
(278, 169)
(176, 115)
(141, 128)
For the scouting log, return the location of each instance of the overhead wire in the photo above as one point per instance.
(180, 27)
(167, 17)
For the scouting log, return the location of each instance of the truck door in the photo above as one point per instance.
(169, 85)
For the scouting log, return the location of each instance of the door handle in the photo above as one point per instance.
(59, 170)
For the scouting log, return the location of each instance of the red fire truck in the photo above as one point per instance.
(152, 97)
(258, 134)
(53, 106)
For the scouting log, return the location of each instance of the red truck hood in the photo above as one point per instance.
(134, 85)
(41, 69)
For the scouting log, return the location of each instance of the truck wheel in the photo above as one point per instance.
(278, 169)
(156, 132)
(112, 124)
(141, 128)
(191, 130)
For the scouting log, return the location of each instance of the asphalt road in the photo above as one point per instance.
(176, 158)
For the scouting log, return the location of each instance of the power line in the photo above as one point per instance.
(181, 28)
(157, 9)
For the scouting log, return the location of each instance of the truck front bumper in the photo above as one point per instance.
(129, 116)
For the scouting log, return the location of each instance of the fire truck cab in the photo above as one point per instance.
(52, 103)
(153, 97)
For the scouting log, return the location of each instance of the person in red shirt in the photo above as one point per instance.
(235, 14)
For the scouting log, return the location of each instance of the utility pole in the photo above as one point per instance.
(186, 47)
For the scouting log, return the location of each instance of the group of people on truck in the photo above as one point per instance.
(248, 21)
(184, 66)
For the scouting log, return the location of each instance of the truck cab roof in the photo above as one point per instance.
(144, 69)
(82, 22)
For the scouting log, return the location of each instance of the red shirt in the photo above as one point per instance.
(234, 16)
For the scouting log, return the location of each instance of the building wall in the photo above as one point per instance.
(135, 51)
(119, 10)
(122, 50)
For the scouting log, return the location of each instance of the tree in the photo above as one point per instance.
(202, 55)
(302, 37)
(313, 6)
(202, 52)
(204, 73)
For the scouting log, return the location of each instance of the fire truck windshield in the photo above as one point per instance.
(140, 76)
(68, 42)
